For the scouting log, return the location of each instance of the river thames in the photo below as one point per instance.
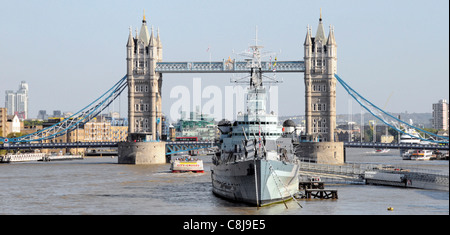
(99, 186)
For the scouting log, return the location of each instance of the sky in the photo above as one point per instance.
(394, 53)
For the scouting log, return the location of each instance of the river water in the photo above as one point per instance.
(99, 185)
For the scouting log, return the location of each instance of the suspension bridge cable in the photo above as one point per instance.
(394, 127)
(81, 117)
(351, 92)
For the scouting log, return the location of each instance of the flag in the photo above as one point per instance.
(260, 137)
(270, 62)
(207, 50)
(275, 64)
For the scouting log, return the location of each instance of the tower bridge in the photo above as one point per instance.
(144, 78)
(145, 69)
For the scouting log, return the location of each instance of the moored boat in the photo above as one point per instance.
(409, 137)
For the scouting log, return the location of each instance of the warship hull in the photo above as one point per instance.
(272, 182)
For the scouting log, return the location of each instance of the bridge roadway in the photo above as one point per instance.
(171, 147)
(439, 147)
(180, 146)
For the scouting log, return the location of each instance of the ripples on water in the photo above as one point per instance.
(101, 186)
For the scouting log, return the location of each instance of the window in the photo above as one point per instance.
(319, 63)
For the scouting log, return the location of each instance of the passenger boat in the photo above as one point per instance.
(186, 164)
(255, 163)
(421, 155)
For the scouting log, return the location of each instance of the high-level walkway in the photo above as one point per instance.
(228, 66)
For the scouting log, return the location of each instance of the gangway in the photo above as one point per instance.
(376, 174)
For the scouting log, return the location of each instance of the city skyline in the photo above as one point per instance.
(393, 53)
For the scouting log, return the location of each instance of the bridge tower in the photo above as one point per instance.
(144, 100)
(320, 84)
(144, 85)
(320, 60)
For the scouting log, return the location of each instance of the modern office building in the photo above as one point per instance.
(17, 102)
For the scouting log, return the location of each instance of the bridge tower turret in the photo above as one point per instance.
(130, 62)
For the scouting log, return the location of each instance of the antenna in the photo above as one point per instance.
(253, 59)
(256, 35)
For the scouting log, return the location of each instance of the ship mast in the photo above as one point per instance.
(254, 56)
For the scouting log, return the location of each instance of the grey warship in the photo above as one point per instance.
(255, 163)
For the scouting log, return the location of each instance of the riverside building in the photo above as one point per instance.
(440, 118)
